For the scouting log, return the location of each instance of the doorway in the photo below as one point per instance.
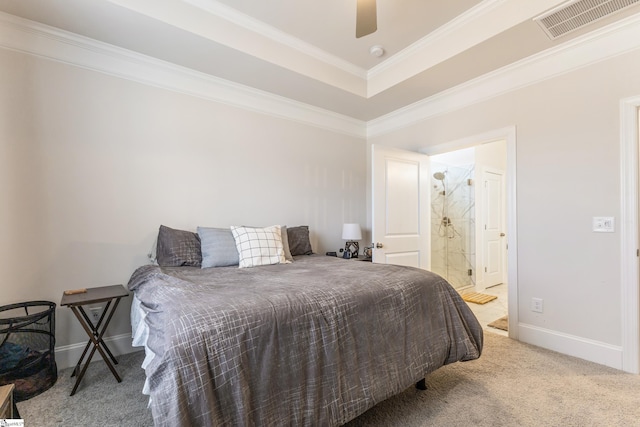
(468, 216)
(507, 134)
(453, 254)
(469, 227)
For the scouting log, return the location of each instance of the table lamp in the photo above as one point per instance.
(351, 233)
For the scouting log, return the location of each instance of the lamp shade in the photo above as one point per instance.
(351, 232)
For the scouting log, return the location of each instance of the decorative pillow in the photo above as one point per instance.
(176, 248)
(218, 247)
(259, 246)
(299, 243)
(285, 243)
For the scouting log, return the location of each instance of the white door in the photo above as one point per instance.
(401, 207)
(494, 227)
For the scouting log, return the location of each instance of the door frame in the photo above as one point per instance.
(629, 292)
(509, 135)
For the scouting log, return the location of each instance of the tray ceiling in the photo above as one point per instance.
(307, 51)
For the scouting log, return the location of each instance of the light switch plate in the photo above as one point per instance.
(604, 224)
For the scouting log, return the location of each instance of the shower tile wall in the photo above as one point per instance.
(453, 224)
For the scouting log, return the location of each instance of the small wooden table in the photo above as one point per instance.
(6, 402)
(112, 296)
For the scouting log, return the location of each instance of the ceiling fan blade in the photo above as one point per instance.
(366, 18)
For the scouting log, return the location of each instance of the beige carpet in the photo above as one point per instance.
(512, 384)
(502, 323)
(515, 384)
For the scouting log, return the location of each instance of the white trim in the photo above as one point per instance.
(571, 345)
(240, 35)
(512, 234)
(479, 241)
(477, 25)
(41, 40)
(264, 30)
(51, 43)
(630, 311)
(441, 44)
(450, 27)
(230, 27)
(608, 42)
(470, 141)
(67, 356)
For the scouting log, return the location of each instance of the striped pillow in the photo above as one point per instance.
(259, 246)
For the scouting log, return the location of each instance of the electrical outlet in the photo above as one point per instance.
(537, 305)
(95, 313)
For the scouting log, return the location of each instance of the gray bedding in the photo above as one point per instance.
(312, 343)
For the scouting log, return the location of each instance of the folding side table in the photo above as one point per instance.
(75, 300)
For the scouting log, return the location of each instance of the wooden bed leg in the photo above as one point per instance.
(422, 384)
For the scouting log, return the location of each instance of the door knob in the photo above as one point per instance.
(502, 234)
(379, 245)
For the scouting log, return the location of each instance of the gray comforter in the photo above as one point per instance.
(312, 343)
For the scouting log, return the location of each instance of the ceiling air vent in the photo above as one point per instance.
(576, 14)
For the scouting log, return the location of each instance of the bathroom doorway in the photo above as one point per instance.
(460, 215)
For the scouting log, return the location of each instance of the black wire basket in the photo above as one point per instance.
(27, 341)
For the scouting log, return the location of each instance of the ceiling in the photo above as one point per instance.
(306, 50)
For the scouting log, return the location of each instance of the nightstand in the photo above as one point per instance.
(75, 300)
(6, 402)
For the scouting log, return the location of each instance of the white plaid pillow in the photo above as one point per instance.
(259, 246)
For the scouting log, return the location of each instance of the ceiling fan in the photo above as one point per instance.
(366, 18)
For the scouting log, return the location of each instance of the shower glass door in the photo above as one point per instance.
(453, 223)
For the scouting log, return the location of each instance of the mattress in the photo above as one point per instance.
(315, 342)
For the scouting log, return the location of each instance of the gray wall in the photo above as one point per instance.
(91, 165)
(568, 170)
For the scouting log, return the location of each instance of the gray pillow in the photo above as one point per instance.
(177, 248)
(218, 247)
(299, 243)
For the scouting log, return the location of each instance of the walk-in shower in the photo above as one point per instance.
(453, 224)
(446, 229)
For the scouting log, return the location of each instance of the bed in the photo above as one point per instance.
(316, 341)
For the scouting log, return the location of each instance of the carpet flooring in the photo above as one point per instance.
(512, 384)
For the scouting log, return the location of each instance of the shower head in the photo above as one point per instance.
(439, 176)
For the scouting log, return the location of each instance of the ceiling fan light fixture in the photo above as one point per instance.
(376, 51)
(366, 17)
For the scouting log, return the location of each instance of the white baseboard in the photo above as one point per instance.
(67, 356)
(593, 351)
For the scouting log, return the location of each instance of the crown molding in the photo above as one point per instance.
(41, 40)
(605, 43)
(260, 28)
(215, 22)
(478, 24)
(48, 42)
(447, 29)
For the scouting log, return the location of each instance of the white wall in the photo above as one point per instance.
(491, 155)
(568, 170)
(91, 165)
(462, 157)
